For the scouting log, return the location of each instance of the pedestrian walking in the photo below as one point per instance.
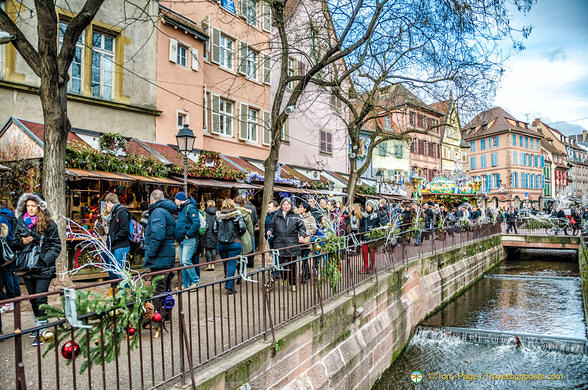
(272, 208)
(370, 220)
(8, 279)
(117, 238)
(247, 239)
(36, 228)
(160, 252)
(229, 226)
(210, 240)
(311, 228)
(288, 230)
(186, 235)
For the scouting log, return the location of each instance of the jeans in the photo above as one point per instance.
(10, 281)
(225, 251)
(189, 275)
(210, 254)
(120, 256)
(36, 286)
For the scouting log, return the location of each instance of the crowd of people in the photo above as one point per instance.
(292, 226)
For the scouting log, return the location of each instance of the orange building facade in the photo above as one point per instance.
(505, 155)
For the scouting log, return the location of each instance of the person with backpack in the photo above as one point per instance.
(160, 252)
(187, 236)
(117, 238)
(229, 226)
(36, 228)
(288, 230)
(210, 239)
(247, 239)
(8, 279)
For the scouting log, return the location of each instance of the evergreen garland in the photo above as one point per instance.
(118, 313)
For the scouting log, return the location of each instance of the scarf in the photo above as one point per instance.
(30, 220)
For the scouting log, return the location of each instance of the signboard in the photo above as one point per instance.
(229, 5)
(526, 195)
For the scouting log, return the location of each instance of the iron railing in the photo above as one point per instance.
(207, 323)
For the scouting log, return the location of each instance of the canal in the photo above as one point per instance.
(521, 326)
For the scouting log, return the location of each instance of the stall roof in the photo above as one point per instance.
(222, 184)
(294, 190)
(156, 180)
(101, 175)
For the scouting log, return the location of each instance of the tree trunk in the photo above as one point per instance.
(352, 184)
(53, 95)
(270, 167)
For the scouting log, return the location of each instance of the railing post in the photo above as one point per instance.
(21, 383)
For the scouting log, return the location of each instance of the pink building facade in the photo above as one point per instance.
(214, 74)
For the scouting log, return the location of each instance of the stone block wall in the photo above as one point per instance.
(362, 334)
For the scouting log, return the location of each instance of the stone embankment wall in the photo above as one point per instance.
(583, 263)
(362, 333)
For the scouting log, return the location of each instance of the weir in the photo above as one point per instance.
(523, 317)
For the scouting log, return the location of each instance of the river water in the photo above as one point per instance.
(522, 326)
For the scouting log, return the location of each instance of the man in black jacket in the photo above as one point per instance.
(315, 211)
(118, 232)
(561, 215)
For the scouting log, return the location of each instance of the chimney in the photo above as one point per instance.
(536, 121)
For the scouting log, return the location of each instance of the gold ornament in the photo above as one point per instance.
(47, 336)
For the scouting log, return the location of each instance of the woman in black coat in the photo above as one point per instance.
(287, 229)
(35, 227)
(210, 240)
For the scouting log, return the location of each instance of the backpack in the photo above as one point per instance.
(135, 230)
(203, 225)
(226, 231)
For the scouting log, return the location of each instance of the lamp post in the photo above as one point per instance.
(185, 139)
(379, 180)
(6, 37)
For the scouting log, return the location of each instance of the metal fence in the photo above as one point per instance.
(207, 323)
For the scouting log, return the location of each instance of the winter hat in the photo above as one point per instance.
(181, 196)
(305, 205)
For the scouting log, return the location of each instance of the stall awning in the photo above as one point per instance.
(333, 193)
(156, 180)
(222, 184)
(294, 190)
(96, 175)
(101, 175)
(203, 182)
(3, 168)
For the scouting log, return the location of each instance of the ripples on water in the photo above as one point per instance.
(454, 356)
(540, 297)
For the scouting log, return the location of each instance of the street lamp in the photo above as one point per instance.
(6, 37)
(379, 180)
(185, 139)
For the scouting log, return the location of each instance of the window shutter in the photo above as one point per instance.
(498, 180)
(216, 35)
(266, 69)
(243, 108)
(382, 149)
(194, 59)
(267, 17)
(243, 8)
(173, 50)
(215, 114)
(265, 139)
(242, 57)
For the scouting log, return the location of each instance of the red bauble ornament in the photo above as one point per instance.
(70, 350)
(156, 317)
(131, 331)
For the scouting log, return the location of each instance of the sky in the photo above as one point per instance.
(549, 79)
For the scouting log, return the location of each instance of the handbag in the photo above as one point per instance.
(8, 255)
(28, 260)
